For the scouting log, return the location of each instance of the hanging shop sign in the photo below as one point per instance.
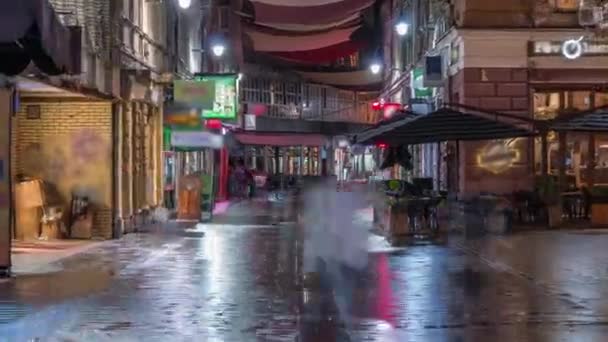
(570, 48)
(250, 122)
(214, 95)
(498, 156)
(196, 140)
(417, 84)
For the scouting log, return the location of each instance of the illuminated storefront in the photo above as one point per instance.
(581, 149)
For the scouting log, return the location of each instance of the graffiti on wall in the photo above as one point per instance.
(78, 162)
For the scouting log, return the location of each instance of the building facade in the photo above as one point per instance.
(505, 56)
(86, 118)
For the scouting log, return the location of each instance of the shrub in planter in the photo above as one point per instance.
(599, 206)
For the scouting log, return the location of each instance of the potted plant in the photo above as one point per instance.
(599, 206)
(548, 191)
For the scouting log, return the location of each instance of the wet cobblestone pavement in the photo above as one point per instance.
(237, 280)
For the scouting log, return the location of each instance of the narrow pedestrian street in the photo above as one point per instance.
(239, 281)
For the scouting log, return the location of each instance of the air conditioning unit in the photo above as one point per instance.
(590, 15)
(433, 71)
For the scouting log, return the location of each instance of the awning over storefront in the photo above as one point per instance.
(590, 121)
(265, 139)
(446, 124)
(31, 31)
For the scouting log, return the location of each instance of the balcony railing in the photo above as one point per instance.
(305, 101)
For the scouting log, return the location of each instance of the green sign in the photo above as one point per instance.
(420, 91)
(224, 97)
(214, 95)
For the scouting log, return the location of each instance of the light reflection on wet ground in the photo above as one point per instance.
(238, 282)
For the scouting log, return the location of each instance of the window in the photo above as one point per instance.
(546, 105)
(224, 18)
(566, 5)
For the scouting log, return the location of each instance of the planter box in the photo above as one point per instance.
(398, 223)
(599, 214)
(554, 216)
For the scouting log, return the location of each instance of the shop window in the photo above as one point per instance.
(601, 100)
(577, 100)
(566, 5)
(546, 105)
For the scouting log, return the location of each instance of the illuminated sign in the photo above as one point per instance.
(419, 90)
(570, 48)
(214, 95)
(196, 140)
(498, 156)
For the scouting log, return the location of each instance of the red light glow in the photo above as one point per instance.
(213, 124)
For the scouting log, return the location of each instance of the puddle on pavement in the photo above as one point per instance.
(50, 288)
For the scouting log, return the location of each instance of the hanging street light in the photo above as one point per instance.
(185, 4)
(218, 50)
(402, 28)
(375, 68)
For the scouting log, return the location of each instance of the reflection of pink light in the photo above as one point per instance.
(257, 109)
(385, 301)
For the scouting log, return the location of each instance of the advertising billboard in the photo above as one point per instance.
(215, 96)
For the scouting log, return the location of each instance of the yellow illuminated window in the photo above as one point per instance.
(566, 5)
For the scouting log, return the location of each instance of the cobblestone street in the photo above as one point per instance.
(238, 281)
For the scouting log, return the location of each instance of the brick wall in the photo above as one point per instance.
(70, 148)
(503, 90)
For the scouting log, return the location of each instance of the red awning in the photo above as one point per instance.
(327, 54)
(266, 42)
(309, 15)
(262, 139)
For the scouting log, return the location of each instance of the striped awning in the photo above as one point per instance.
(267, 42)
(446, 124)
(299, 28)
(591, 121)
(315, 12)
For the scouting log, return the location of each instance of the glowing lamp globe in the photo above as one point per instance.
(218, 50)
(185, 4)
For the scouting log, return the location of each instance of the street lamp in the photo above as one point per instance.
(402, 28)
(375, 68)
(185, 4)
(218, 50)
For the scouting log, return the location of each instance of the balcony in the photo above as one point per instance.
(306, 101)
